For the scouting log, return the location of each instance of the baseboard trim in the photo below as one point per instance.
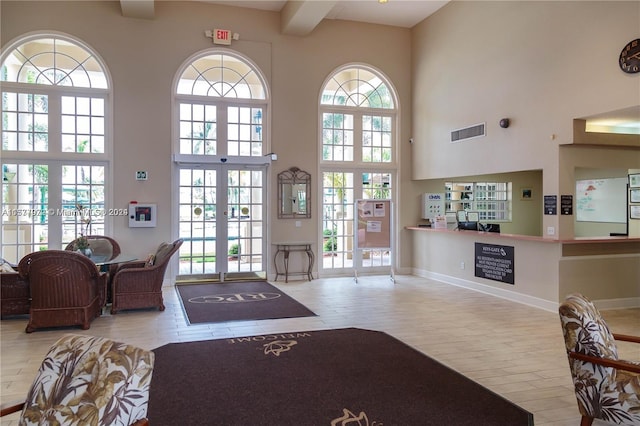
(612, 304)
(547, 305)
(513, 296)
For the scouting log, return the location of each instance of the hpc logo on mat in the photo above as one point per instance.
(235, 298)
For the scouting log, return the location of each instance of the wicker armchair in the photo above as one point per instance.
(66, 289)
(105, 247)
(14, 294)
(139, 284)
(88, 380)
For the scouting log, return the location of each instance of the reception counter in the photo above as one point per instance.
(542, 270)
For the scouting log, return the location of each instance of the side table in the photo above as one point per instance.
(285, 248)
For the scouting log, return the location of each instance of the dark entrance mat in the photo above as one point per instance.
(333, 377)
(238, 301)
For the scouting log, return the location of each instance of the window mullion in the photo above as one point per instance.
(54, 229)
(357, 137)
(222, 116)
(55, 123)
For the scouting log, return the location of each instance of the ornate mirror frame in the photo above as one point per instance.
(294, 194)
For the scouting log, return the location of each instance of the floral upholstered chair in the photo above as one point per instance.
(87, 380)
(606, 387)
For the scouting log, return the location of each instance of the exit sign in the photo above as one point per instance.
(222, 37)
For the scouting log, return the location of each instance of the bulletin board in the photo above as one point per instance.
(374, 224)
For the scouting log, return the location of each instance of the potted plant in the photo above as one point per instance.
(82, 242)
(234, 251)
(330, 242)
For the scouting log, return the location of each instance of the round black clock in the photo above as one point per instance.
(630, 57)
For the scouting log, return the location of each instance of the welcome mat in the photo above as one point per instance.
(332, 377)
(237, 301)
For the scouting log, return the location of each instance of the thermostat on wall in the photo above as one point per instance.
(142, 215)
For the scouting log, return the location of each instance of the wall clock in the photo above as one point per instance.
(630, 57)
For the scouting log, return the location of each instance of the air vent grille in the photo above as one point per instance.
(471, 132)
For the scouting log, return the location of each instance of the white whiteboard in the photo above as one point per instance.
(601, 200)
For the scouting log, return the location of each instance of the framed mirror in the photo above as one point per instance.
(294, 194)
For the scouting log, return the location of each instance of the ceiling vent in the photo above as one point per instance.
(471, 132)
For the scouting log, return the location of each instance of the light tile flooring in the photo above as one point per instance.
(513, 349)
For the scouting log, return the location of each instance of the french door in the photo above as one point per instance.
(222, 221)
(340, 189)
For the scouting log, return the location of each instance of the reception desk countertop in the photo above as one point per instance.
(577, 240)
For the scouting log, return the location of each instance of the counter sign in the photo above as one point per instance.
(494, 262)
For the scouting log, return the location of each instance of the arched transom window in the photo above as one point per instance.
(357, 87)
(221, 100)
(358, 113)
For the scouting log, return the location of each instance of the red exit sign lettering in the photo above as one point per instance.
(222, 37)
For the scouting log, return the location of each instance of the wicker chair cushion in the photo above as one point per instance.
(6, 267)
(102, 247)
(87, 380)
(161, 253)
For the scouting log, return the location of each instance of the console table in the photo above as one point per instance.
(286, 248)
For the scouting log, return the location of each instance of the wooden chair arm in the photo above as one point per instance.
(619, 364)
(11, 407)
(133, 264)
(17, 405)
(626, 338)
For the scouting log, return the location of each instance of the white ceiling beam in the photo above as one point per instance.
(141, 9)
(300, 17)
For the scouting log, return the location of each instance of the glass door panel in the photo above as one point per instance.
(340, 190)
(245, 207)
(197, 221)
(221, 214)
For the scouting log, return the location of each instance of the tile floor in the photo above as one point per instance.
(513, 349)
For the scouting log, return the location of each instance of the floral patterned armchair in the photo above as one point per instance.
(606, 387)
(87, 380)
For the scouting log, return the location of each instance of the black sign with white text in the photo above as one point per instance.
(551, 205)
(495, 262)
(566, 204)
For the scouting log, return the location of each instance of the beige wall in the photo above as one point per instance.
(533, 62)
(144, 56)
(541, 64)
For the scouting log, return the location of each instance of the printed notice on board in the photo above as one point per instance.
(379, 210)
(374, 226)
(366, 210)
